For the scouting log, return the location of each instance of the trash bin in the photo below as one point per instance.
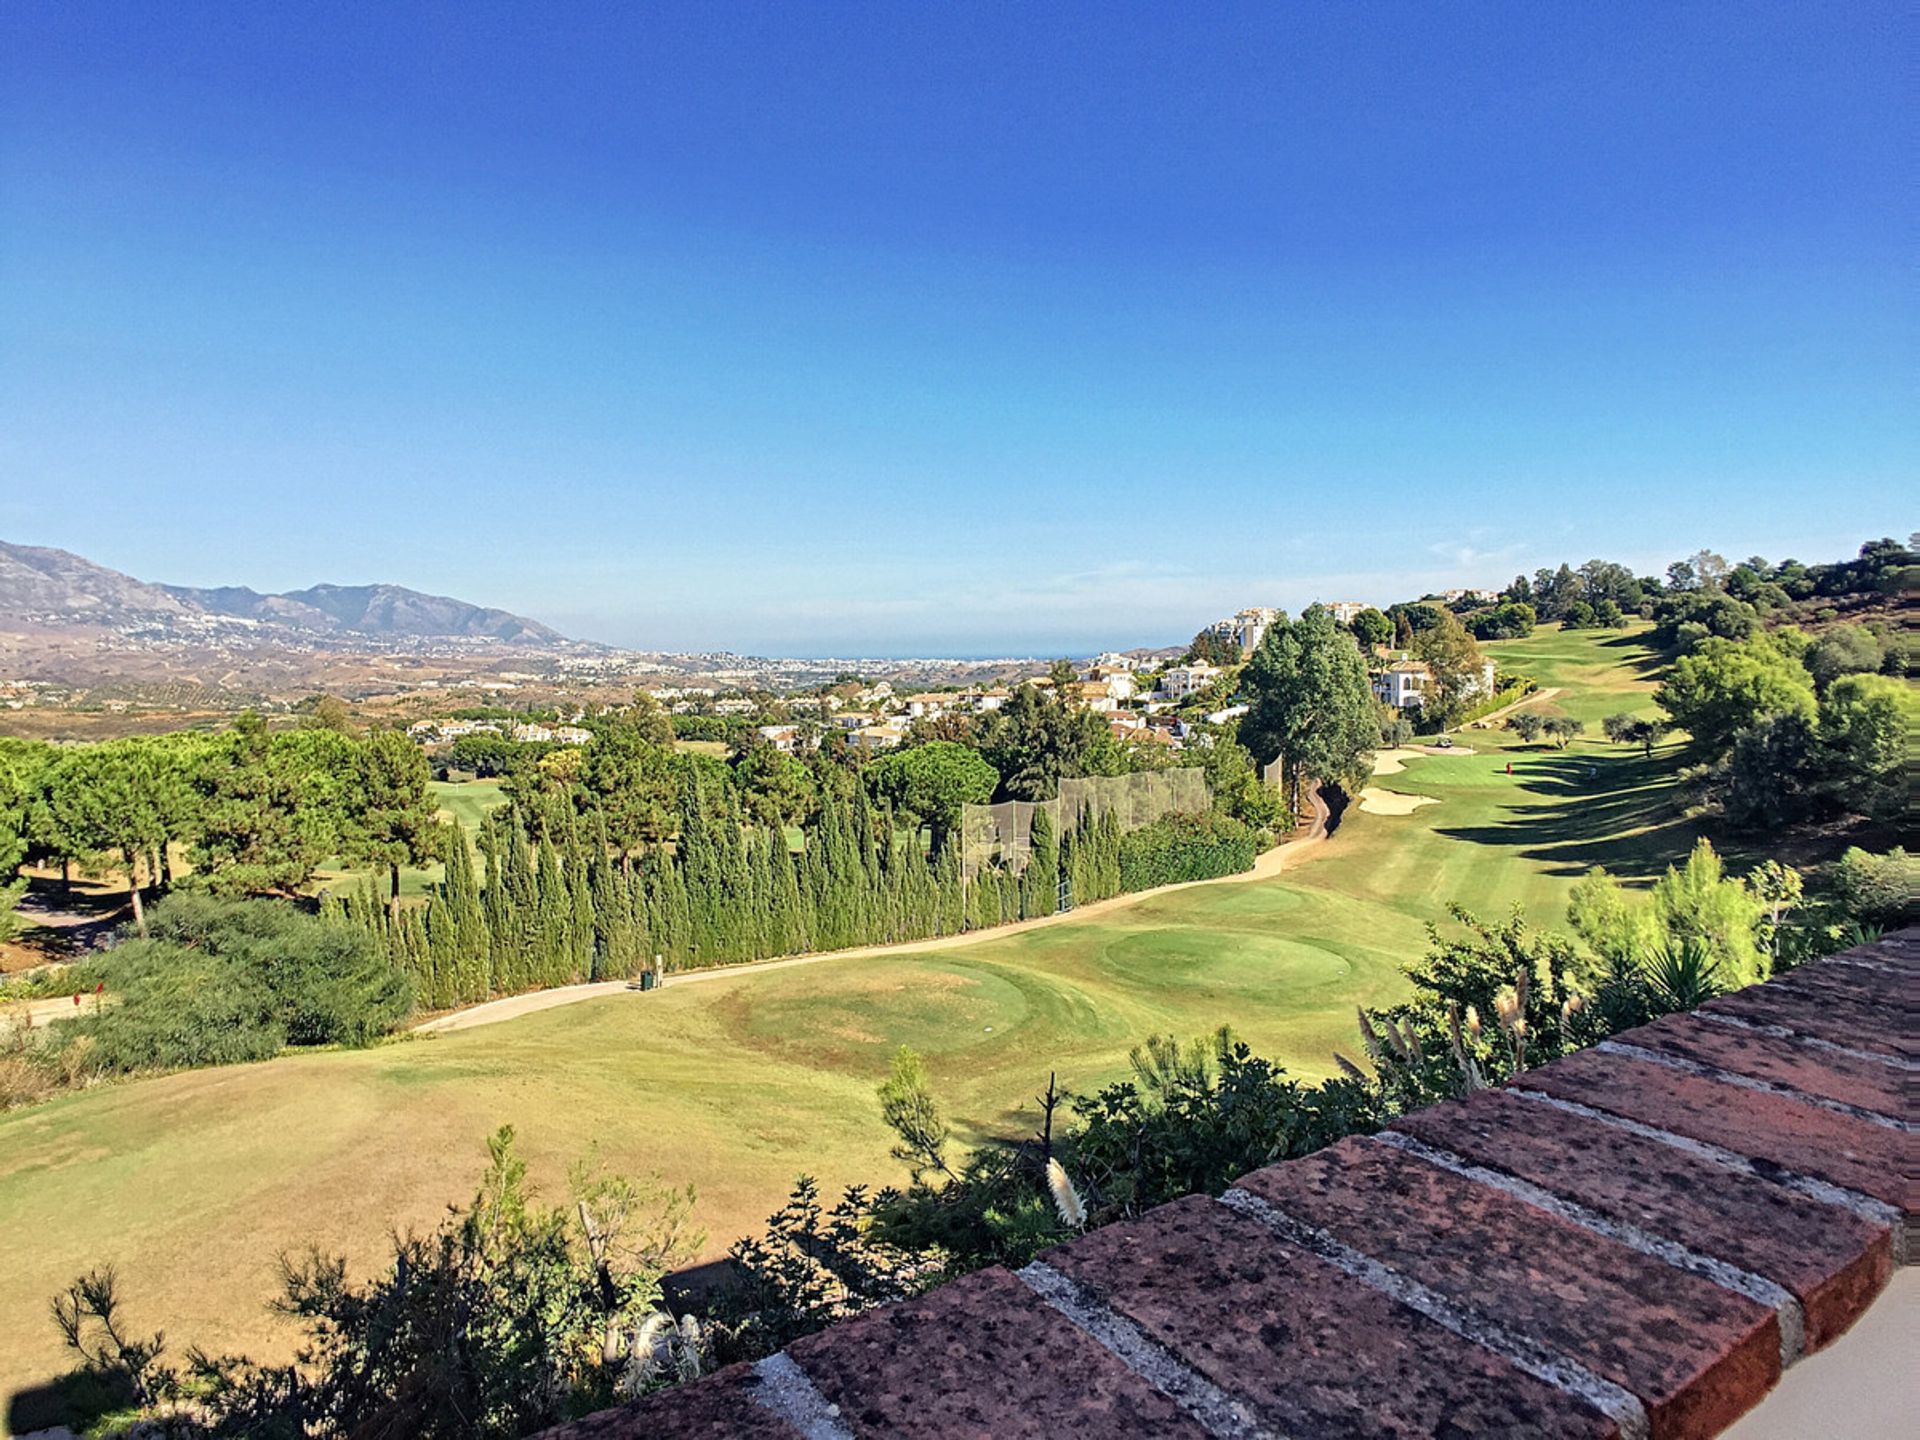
(646, 979)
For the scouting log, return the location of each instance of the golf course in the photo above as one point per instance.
(192, 1184)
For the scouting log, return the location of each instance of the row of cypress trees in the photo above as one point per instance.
(557, 905)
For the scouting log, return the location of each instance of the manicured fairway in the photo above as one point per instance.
(469, 803)
(192, 1183)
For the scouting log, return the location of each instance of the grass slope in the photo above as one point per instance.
(192, 1183)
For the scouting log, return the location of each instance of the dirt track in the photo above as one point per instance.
(1485, 722)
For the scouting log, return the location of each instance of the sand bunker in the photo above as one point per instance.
(1392, 762)
(1376, 801)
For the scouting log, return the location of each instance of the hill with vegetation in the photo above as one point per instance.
(54, 587)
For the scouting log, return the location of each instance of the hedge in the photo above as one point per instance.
(1185, 847)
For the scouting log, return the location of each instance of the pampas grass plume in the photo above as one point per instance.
(1066, 1199)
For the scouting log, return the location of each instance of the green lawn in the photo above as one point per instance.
(469, 802)
(192, 1183)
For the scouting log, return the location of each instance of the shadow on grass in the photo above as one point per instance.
(1648, 656)
(1616, 809)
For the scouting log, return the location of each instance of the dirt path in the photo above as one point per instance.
(1265, 867)
(1485, 722)
(45, 1012)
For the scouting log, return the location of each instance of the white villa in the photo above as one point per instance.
(1247, 628)
(1407, 683)
(884, 736)
(1179, 681)
(1116, 685)
(784, 738)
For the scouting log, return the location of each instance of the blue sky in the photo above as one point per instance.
(910, 329)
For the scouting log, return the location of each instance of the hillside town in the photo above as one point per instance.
(1165, 700)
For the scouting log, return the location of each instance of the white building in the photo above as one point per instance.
(1345, 610)
(884, 736)
(1405, 684)
(930, 704)
(982, 702)
(1247, 628)
(1112, 660)
(784, 738)
(1179, 681)
(1118, 685)
(1094, 696)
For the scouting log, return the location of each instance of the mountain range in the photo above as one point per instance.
(48, 586)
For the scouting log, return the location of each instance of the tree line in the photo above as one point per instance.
(551, 900)
(253, 811)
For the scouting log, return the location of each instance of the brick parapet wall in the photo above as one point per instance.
(1632, 1241)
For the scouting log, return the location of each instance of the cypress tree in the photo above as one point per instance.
(552, 952)
(495, 905)
(951, 903)
(743, 927)
(699, 866)
(668, 916)
(443, 948)
(580, 921)
(466, 909)
(1040, 882)
(795, 896)
(607, 899)
(523, 905)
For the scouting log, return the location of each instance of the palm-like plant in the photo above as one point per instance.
(1682, 974)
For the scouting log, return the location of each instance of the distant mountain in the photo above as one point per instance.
(36, 581)
(368, 610)
(53, 585)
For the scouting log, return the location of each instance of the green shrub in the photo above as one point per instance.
(1877, 889)
(219, 982)
(1185, 847)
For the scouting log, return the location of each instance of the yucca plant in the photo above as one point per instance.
(1682, 974)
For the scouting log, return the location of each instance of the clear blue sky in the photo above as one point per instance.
(912, 328)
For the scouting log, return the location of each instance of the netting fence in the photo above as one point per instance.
(1004, 832)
